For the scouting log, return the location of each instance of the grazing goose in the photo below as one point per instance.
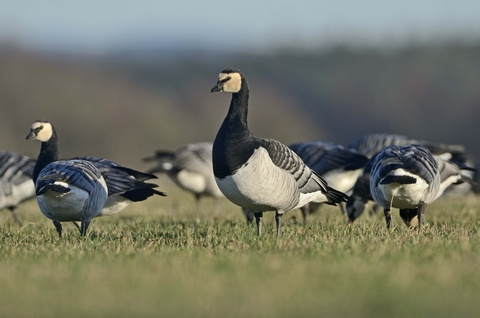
(371, 144)
(190, 168)
(338, 166)
(261, 174)
(409, 178)
(82, 188)
(16, 183)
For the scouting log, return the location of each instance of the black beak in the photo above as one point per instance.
(217, 88)
(31, 135)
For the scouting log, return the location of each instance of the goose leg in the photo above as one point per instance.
(58, 227)
(278, 219)
(421, 211)
(198, 203)
(407, 215)
(83, 227)
(14, 214)
(249, 215)
(258, 219)
(388, 217)
(305, 212)
(343, 208)
(77, 226)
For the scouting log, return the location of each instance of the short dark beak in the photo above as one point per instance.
(217, 88)
(31, 135)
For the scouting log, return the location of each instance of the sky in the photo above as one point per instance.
(105, 25)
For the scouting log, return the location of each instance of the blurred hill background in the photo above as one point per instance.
(126, 101)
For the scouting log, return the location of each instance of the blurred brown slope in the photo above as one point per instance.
(105, 112)
(124, 106)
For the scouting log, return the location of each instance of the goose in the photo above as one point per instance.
(410, 178)
(261, 174)
(82, 188)
(371, 144)
(16, 185)
(339, 166)
(190, 168)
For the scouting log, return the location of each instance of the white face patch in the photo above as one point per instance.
(233, 85)
(45, 130)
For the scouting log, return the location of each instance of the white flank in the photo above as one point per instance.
(259, 185)
(190, 181)
(342, 180)
(113, 205)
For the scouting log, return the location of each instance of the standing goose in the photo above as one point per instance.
(261, 174)
(409, 178)
(67, 190)
(16, 183)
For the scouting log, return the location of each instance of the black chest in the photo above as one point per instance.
(232, 148)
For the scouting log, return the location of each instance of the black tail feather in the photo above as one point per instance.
(335, 196)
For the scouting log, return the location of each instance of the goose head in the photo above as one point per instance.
(229, 81)
(40, 130)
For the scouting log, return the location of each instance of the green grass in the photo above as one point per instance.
(160, 258)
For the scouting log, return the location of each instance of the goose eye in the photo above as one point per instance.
(226, 79)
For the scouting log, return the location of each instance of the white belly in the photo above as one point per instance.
(259, 185)
(63, 207)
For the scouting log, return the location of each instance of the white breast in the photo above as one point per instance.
(259, 185)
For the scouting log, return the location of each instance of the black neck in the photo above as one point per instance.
(238, 110)
(232, 146)
(48, 154)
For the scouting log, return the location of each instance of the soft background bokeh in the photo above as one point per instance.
(120, 79)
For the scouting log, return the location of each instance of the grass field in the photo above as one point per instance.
(160, 258)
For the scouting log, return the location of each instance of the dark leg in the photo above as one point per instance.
(58, 227)
(249, 215)
(305, 212)
(407, 215)
(198, 203)
(278, 219)
(258, 218)
(421, 211)
(77, 226)
(343, 208)
(14, 214)
(388, 217)
(83, 227)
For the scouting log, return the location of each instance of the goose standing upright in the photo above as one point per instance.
(261, 174)
(16, 183)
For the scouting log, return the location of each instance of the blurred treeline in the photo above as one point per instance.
(123, 106)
